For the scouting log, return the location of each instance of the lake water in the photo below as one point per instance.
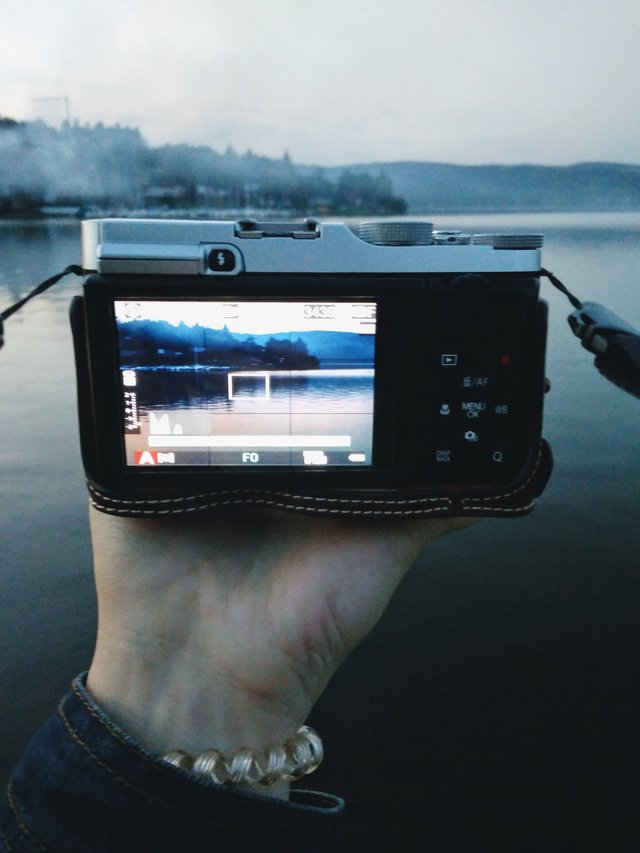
(510, 652)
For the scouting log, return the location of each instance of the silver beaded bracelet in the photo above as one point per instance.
(297, 756)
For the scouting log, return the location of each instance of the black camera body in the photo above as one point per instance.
(297, 365)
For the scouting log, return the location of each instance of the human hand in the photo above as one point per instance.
(224, 629)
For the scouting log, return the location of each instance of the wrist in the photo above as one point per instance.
(167, 706)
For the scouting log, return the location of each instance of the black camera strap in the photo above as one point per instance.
(45, 285)
(613, 341)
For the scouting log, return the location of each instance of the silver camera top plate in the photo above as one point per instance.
(190, 247)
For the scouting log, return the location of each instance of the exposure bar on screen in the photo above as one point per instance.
(249, 441)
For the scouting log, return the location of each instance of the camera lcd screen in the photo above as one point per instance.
(245, 383)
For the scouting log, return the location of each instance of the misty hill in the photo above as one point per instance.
(448, 188)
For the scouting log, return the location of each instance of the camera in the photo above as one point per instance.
(396, 371)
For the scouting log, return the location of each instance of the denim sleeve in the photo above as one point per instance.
(84, 785)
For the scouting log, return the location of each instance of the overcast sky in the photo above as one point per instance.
(336, 82)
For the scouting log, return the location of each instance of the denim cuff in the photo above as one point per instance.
(85, 785)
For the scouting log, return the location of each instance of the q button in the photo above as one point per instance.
(499, 455)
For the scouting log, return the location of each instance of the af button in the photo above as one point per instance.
(481, 382)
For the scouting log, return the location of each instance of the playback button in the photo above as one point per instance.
(449, 359)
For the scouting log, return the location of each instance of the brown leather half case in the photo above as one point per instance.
(371, 503)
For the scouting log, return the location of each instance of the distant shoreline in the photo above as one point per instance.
(39, 216)
(78, 171)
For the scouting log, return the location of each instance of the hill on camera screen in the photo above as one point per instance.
(242, 383)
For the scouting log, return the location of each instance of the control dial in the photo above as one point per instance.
(509, 241)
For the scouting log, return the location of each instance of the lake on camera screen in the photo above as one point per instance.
(509, 637)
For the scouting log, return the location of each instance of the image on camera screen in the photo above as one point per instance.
(242, 383)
